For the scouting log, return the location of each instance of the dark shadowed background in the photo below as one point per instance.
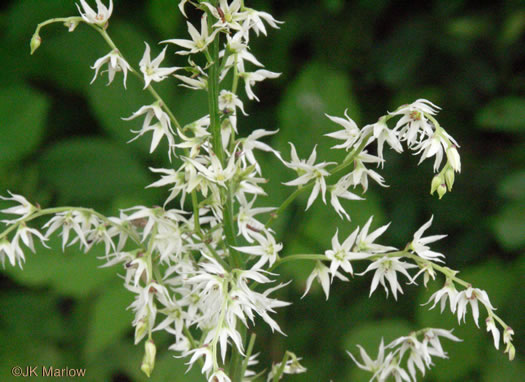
(62, 142)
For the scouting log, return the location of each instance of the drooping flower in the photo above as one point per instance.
(115, 62)
(386, 268)
(322, 273)
(161, 128)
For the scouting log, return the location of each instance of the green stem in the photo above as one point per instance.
(249, 351)
(56, 210)
(150, 87)
(280, 370)
(195, 203)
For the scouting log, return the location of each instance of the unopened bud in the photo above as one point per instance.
(449, 178)
(441, 190)
(454, 159)
(140, 330)
(511, 351)
(436, 182)
(148, 362)
(35, 42)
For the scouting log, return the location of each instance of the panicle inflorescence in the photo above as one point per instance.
(189, 268)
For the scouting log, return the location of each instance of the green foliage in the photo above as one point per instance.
(24, 113)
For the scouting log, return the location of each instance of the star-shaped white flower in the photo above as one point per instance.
(419, 243)
(307, 172)
(387, 268)
(100, 17)
(151, 69)
(199, 41)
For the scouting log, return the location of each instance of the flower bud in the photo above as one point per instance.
(140, 330)
(35, 42)
(436, 182)
(454, 159)
(449, 178)
(441, 190)
(148, 362)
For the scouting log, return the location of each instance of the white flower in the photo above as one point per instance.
(508, 332)
(252, 142)
(382, 133)
(229, 102)
(6, 249)
(292, 366)
(433, 145)
(307, 172)
(116, 63)
(215, 172)
(219, 376)
(246, 223)
(368, 363)
(26, 234)
(162, 128)
(198, 42)
(322, 273)
(238, 54)
(472, 296)
(250, 78)
(432, 344)
(24, 209)
(365, 241)
(419, 244)
(413, 125)
(100, 17)
(267, 249)
(453, 158)
(228, 15)
(448, 291)
(360, 173)
(254, 20)
(151, 69)
(349, 135)
(67, 221)
(387, 268)
(341, 255)
(491, 327)
(340, 190)
(205, 352)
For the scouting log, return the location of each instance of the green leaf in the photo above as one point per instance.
(87, 169)
(110, 320)
(164, 16)
(513, 185)
(67, 50)
(509, 225)
(24, 15)
(24, 113)
(504, 114)
(317, 90)
(70, 273)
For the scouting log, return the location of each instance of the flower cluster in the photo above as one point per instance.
(418, 352)
(209, 267)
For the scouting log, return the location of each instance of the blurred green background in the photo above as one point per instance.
(62, 141)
